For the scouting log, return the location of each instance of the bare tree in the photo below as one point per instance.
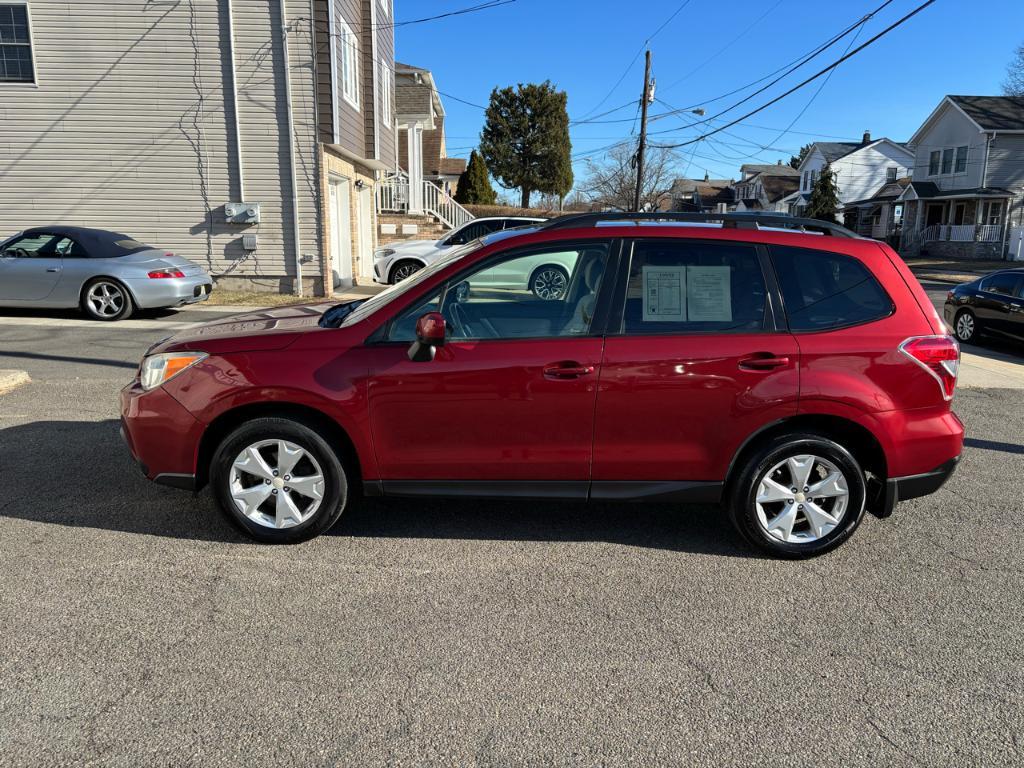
(1013, 85)
(611, 181)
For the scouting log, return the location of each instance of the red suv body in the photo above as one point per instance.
(798, 378)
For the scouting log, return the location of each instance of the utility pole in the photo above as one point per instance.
(644, 99)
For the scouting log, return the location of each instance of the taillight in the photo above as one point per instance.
(939, 355)
(159, 273)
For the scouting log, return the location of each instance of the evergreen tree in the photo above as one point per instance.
(474, 183)
(795, 160)
(525, 140)
(824, 200)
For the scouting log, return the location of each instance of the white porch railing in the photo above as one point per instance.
(393, 197)
(962, 233)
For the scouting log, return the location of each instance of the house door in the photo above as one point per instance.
(364, 238)
(341, 236)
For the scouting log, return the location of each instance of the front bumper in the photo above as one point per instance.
(162, 436)
(150, 293)
(380, 271)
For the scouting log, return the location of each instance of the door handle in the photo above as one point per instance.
(53, 269)
(567, 370)
(763, 362)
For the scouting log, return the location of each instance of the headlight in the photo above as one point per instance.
(156, 369)
(383, 253)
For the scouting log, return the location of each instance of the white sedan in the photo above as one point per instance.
(395, 262)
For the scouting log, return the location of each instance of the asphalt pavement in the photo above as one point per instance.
(140, 629)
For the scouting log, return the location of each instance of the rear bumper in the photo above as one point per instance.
(170, 292)
(899, 489)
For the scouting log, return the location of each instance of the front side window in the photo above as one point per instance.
(349, 69)
(933, 163)
(960, 164)
(1005, 284)
(693, 287)
(15, 45)
(825, 290)
(472, 231)
(35, 246)
(542, 294)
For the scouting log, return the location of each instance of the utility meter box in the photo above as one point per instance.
(242, 213)
(249, 242)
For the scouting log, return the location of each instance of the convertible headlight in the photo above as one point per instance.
(383, 253)
(156, 369)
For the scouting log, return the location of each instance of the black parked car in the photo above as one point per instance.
(993, 304)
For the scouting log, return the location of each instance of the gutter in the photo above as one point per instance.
(234, 103)
(282, 6)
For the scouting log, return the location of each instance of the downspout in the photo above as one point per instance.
(282, 6)
(234, 104)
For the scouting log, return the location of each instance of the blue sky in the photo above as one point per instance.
(709, 48)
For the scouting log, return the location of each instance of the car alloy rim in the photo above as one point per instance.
(276, 484)
(549, 284)
(106, 299)
(802, 499)
(405, 271)
(965, 326)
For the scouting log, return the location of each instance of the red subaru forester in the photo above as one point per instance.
(786, 368)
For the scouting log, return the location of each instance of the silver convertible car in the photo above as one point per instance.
(106, 274)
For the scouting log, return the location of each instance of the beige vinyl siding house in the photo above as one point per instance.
(150, 117)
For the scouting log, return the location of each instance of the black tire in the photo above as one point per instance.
(741, 500)
(403, 269)
(537, 278)
(120, 306)
(335, 486)
(965, 327)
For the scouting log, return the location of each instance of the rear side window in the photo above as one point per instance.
(694, 287)
(825, 290)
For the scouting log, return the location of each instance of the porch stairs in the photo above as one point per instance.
(440, 212)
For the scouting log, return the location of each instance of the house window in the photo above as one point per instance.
(933, 163)
(349, 57)
(890, 174)
(814, 177)
(960, 164)
(992, 212)
(15, 45)
(385, 94)
(947, 161)
(807, 175)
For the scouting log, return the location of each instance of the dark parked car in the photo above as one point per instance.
(798, 378)
(993, 304)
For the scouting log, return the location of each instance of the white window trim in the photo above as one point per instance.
(952, 168)
(34, 82)
(387, 111)
(349, 75)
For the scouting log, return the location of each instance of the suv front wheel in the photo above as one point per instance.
(799, 495)
(279, 481)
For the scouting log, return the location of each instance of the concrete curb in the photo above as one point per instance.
(11, 380)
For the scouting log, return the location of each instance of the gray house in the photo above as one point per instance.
(247, 136)
(965, 194)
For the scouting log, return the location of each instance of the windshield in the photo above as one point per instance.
(384, 298)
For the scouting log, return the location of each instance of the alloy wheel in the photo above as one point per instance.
(403, 271)
(965, 326)
(276, 483)
(802, 499)
(105, 299)
(549, 284)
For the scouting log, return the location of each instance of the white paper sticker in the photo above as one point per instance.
(709, 294)
(664, 294)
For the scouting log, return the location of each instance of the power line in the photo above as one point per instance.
(813, 77)
(632, 61)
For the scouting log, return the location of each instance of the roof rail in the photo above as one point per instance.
(735, 220)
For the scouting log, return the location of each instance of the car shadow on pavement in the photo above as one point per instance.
(74, 314)
(80, 474)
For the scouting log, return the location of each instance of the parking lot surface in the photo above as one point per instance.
(140, 628)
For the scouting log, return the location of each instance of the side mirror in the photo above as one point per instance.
(431, 333)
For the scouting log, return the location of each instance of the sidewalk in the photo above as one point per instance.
(955, 271)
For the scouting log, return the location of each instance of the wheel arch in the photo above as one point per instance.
(855, 437)
(401, 260)
(86, 281)
(307, 415)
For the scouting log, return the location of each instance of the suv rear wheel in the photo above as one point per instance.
(279, 481)
(799, 495)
